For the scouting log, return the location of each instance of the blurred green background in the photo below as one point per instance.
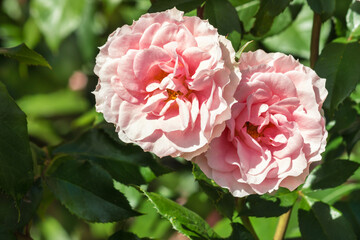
(59, 104)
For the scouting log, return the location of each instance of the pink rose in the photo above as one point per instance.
(276, 131)
(167, 82)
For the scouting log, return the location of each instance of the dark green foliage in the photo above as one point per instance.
(324, 8)
(222, 15)
(338, 63)
(350, 208)
(330, 174)
(25, 55)
(348, 124)
(87, 190)
(268, 10)
(221, 198)
(267, 205)
(16, 171)
(14, 216)
(126, 163)
(184, 5)
(121, 235)
(240, 232)
(318, 220)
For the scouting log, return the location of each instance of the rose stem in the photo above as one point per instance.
(246, 222)
(245, 219)
(282, 225)
(200, 12)
(315, 37)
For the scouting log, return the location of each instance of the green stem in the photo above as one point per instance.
(282, 225)
(245, 219)
(246, 222)
(315, 38)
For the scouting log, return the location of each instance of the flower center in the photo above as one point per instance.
(252, 130)
(161, 75)
(173, 94)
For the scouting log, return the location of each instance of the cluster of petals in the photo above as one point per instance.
(171, 85)
(167, 83)
(277, 127)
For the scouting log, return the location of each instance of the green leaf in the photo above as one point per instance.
(348, 123)
(338, 64)
(86, 32)
(7, 236)
(183, 220)
(267, 205)
(16, 172)
(25, 55)
(121, 235)
(330, 174)
(335, 147)
(241, 50)
(87, 191)
(341, 8)
(295, 39)
(239, 232)
(33, 105)
(346, 117)
(318, 220)
(268, 10)
(246, 12)
(56, 19)
(222, 15)
(350, 208)
(14, 217)
(332, 195)
(126, 163)
(221, 198)
(183, 5)
(353, 19)
(325, 8)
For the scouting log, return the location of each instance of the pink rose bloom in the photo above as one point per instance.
(276, 131)
(167, 82)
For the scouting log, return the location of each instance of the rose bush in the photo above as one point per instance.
(276, 131)
(167, 83)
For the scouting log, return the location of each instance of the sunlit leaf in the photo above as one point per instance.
(353, 19)
(62, 102)
(57, 18)
(182, 219)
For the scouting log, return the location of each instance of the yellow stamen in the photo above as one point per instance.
(173, 94)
